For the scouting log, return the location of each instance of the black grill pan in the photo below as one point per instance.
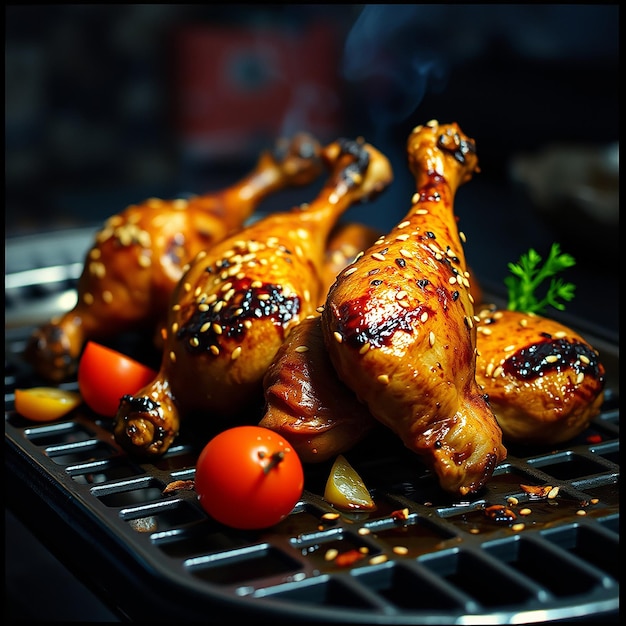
(420, 558)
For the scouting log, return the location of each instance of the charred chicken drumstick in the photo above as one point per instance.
(399, 323)
(139, 255)
(233, 307)
(544, 381)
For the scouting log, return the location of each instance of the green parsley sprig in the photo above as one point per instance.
(528, 274)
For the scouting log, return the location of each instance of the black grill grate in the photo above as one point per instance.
(443, 562)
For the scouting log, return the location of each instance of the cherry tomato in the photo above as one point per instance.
(45, 404)
(248, 477)
(105, 375)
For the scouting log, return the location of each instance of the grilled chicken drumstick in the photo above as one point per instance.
(139, 255)
(544, 381)
(307, 403)
(233, 307)
(399, 323)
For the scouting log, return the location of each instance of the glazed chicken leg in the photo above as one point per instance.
(399, 323)
(545, 382)
(137, 258)
(307, 403)
(234, 306)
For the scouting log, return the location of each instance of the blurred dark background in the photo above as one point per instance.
(106, 105)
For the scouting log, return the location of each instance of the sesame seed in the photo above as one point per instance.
(462, 236)
(498, 371)
(320, 309)
(205, 327)
(331, 554)
(405, 253)
(400, 550)
(509, 348)
(302, 349)
(581, 512)
(350, 270)
(375, 560)
(560, 334)
(384, 379)
(415, 198)
(174, 328)
(338, 337)
(401, 294)
(421, 212)
(469, 321)
(187, 287)
(519, 526)
(403, 237)
(580, 378)
(525, 511)
(424, 316)
(512, 500)
(219, 306)
(378, 256)
(217, 329)
(553, 493)
(144, 261)
(584, 359)
(452, 280)
(264, 296)
(431, 338)
(214, 349)
(485, 331)
(236, 353)
(552, 358)
(172, 357)
(364, 531)
(404, 224)
(194, 341)
(330, 516)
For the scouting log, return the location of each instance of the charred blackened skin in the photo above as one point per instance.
(456, 146)
(531, 362)
(246, 304)
(358, 331)
(353, 173)
(142, 405)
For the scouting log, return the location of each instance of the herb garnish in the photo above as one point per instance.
(528, 273)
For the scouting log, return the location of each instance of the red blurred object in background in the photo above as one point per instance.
(239, 86)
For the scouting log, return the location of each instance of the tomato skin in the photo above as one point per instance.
(233, 485)
(45, 404)
(105, 375)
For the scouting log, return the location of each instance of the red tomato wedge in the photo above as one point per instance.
(45, 404)
(105, 375)
(248, 477)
